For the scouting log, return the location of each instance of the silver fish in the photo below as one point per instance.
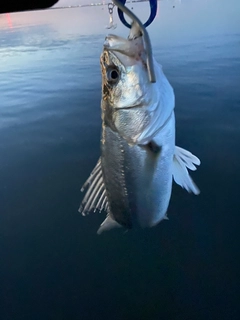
(132, 180)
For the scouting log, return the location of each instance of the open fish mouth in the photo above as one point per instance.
(129, 50)
(129, 47)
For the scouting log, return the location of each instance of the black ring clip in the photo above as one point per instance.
(153, 12)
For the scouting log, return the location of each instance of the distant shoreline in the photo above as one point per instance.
(91, 5)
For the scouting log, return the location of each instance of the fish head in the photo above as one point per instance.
(125, 82)
(131, 104)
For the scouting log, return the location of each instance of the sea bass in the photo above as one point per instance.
(132, 180)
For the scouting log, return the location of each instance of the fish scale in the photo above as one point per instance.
(112, 160)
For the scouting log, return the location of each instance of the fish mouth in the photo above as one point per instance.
(131, 46)
(127, 51)
(119, 44)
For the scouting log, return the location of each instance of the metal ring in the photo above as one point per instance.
(153, 12)
(110, 8)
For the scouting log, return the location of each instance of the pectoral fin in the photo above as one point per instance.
(95, 197)
(182, 160)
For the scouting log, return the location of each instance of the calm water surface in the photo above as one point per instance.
(53, 265)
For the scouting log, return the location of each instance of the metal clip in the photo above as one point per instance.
(151, 73)
(110, 10)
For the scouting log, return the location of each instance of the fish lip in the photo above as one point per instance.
(130, 107)
(115, 43)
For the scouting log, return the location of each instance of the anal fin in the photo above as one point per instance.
(95, 197)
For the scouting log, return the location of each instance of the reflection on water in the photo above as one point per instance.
(53, 266)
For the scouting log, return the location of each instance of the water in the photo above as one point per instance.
(53, 265)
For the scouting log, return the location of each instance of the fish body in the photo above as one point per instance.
(132, 180)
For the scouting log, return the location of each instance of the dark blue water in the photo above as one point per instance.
(53, 265)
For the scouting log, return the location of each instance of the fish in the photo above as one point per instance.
(132, 180)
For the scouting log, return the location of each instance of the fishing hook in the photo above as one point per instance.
(153, 12)
(131, 15)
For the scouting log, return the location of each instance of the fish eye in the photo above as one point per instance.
(113, 75)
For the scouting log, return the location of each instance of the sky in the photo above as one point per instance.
(189, 18)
